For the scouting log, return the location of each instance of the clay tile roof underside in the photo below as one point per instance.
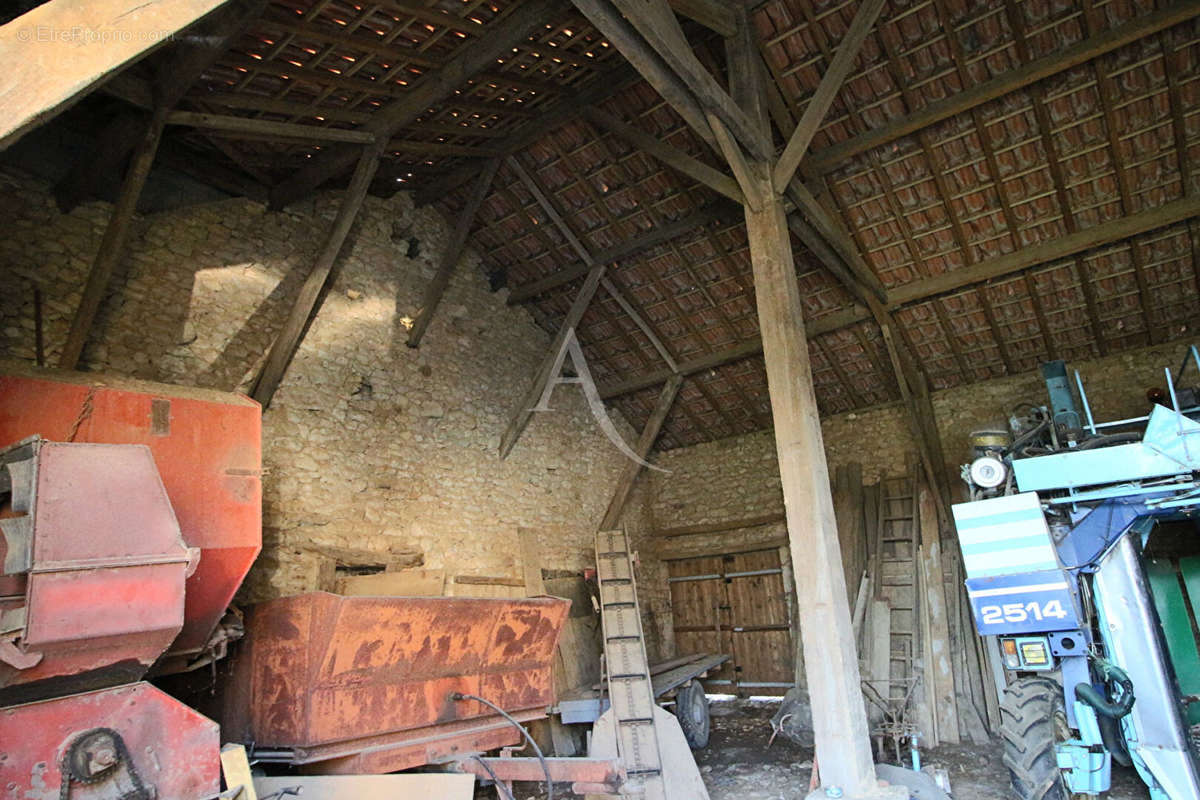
(951, 211)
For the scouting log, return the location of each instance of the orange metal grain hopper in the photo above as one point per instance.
(206, 446)
(365, 684)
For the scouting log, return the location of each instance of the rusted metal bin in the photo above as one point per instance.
(365, 684)
(128, 742)
(206, 445)
(93, 569)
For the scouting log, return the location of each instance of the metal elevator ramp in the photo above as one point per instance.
(628, 670)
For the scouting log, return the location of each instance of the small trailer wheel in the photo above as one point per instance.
(691, 707)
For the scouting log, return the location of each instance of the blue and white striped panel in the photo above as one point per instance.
(1004, 536)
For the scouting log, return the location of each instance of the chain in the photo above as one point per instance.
(69, 774)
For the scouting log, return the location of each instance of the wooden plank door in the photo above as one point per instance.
(735, 603)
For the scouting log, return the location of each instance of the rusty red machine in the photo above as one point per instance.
(365, 685)
(130, 513)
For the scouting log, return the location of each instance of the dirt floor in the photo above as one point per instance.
(738, 765)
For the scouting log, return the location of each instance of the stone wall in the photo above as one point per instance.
(368, 444)
(737, 478)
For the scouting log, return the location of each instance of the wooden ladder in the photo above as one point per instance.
(630, 690)
(899, 537)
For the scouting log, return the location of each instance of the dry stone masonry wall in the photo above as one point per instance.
(368, 444)
(738, 478)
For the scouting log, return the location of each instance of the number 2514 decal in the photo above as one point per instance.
(1021, 612)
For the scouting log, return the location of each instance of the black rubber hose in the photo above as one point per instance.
(1114, 742)
(1101, 704)
(518, 726)
(1029, 434)
(495, 780)
(1108, 439)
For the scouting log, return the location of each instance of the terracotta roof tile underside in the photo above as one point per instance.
(1111, 137)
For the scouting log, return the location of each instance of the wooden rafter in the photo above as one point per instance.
(523, 411)
(965, 277)
(645, 442)
(655, 22)
(450, 256)
(1057, 176)
(429, 89)
(829, 158)
(41, 76)
(673, 157)
(630, 247)
(1105, 91)
(287, 341)
(822, 99)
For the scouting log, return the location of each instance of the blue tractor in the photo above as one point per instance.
(1081, 547)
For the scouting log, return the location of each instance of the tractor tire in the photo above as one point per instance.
(691, 708)
(1030, 720)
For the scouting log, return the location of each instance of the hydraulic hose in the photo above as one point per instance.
(1099, 702)
(1108, 713)
(1109, 439)
(1114, 742)
(1102, 705)
(545, 767)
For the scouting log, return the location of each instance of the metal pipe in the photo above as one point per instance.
(714, 575)
(1087, 408)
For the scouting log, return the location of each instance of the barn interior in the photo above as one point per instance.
(536, 398)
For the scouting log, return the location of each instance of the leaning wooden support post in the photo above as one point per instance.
(454, 249)
(524, 409)
(839, 717)
(112, 246)
(649, 435)
(293, 329)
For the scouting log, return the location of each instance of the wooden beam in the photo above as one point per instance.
(1053, 250)
(655, 340)
(671, 156)
(832, 229)
(739, 163)
(470, 59)
(646, 440)
(654, 20)
(175, 70)
(744, 67)
(539, 194)
(596, 91)
(290, 335)
(829, 158)
(52, 55)
(961, 278)
(112, 245)
(651, 238)
(839, 717)
(454, 249)
(821, 100)
(523, 411)
(647, 62)
(103, 160)
(203, 169)
(268, 128)
(714, 15)
(719, 527)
